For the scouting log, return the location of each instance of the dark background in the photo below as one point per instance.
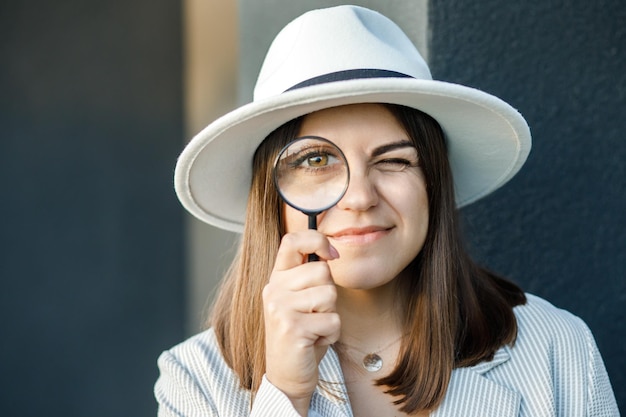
(559, 227)
(91, 238)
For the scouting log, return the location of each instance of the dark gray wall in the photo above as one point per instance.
(559, 228)
(91, 232)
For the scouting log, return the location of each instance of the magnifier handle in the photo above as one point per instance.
(313, 226)
(312, 257)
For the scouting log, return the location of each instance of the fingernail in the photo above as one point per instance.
(333, 252)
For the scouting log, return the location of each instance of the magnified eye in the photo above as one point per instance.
(311, 174)
(317, 160)
(313, 160)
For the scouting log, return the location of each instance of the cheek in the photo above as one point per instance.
(408, 195)
(294, 220)
(410, 201)
(419, 213)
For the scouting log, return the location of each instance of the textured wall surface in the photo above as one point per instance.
(559, 228)
(91, 233)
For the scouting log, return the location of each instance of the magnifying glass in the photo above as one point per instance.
(311, 174)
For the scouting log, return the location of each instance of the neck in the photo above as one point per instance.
(368, 317)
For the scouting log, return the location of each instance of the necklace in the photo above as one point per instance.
(372, 362)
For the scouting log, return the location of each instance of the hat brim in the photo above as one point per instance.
(488, 140)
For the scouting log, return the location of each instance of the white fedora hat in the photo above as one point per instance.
(345, 55)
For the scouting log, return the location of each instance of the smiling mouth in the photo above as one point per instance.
(360, 235)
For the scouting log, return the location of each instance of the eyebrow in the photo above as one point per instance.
(392, 146)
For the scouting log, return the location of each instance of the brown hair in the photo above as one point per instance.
(456, 313)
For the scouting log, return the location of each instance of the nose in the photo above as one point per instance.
(361, 193)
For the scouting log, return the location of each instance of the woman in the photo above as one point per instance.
(395, 318)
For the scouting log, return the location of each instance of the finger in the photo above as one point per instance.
(325, 326)
(302, 276)
(301, 330)
(306, 330)
(318, 299)
(295, 247)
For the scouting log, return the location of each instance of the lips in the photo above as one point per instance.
(359, 235)
(355, 231)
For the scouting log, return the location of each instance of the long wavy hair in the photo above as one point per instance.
(455, 313)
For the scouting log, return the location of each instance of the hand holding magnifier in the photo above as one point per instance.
(311, 175)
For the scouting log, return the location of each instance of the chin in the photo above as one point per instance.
(364, 276)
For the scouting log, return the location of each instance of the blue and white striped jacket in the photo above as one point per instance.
(554, 369)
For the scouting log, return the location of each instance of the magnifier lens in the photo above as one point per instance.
(311, 174)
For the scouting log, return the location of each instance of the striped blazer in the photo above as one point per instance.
(554, 369)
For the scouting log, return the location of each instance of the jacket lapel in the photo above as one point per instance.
(330, 399)
(471, 394)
